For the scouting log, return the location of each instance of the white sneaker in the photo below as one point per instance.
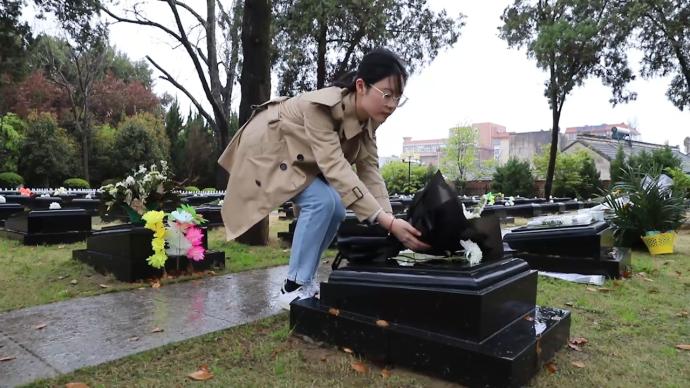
(302, 292)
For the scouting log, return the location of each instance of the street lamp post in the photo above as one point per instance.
(409, 160)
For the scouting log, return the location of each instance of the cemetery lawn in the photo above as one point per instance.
(631, 328)
(35, 275)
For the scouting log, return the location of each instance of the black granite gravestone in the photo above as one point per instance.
(90, 205)
(197, 200)
(49, 226)
(211, 214)
(475, 325)
(40, 203)
(585, 249)
(122, 250)
(8, 209)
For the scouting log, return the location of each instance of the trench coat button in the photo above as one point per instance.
(283, 166)
(300, 157)
(258, 183)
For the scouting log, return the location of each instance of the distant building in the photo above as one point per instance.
(602, 130)
(428, 151)
(525, 145)
(493, 142)
(603, 151)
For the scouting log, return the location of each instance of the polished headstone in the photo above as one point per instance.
(59, 226)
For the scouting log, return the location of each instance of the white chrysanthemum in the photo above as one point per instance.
(130, 181)
(2, 199)
(473, 253)
(177, 244)
(181, 216)
(221, 202)
(54, 206)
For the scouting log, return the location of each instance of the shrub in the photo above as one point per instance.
(191, 188)
(76, 183)
(139, 139)
(650, 208)
(209, 189)
(514, 178)
(10, 180)
(110, 181)
(402, 178)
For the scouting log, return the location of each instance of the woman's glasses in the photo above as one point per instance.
(387, 97)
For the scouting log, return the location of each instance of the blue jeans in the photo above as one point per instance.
(320, 215)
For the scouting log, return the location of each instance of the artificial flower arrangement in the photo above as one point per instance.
(143, 190)
(60, 191)
(181, 237)
(25, 192)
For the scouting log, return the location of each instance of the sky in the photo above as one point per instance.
(479, 79)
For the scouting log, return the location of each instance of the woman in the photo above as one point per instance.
(302, 149)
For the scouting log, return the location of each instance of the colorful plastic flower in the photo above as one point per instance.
(196, 253)
(194, 235)
(153, 217)
(157, 260)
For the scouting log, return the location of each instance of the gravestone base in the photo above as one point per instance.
(617, 266)
(474, 325)
(509, 358)
(122, 250)
(8, 209)
(63, 226)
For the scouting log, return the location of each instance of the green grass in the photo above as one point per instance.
(632, 330)
(35, 275)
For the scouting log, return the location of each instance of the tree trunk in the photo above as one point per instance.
(555, 115)
(321, 53)
(255, 81)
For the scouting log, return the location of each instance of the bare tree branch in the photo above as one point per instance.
(166, 76)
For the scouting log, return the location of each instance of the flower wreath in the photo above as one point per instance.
(182, 235)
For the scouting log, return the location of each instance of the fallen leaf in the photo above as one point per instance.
(156, 285)
(683, 347)
(529, 318)
(643, 274)
(334, 311)
(60, 246)
(574, 347)
(40, 326)
(382, 323)
(359, 367)
(385, 373)
(202, 374)
(62, 277)
(679, 273)
(592, 289)
(551, 367)
(682, 314)
(76, 385)
(347, 350)
(578, 364)
(133, 339)
(323, 358)
(7, 358)
(73, 282)
(569, 304)
(157, 330)
(648, 279)
(578, 341)
(603, 289)
(538, 347)
(653, 290)
(103, 286)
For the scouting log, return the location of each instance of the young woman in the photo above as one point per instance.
(302, 149)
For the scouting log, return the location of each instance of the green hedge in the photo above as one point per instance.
(191, 188)
(209, 189)
(76, 183)
(10, 180)
(110, 181)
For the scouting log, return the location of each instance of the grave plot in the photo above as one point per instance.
(61, 226)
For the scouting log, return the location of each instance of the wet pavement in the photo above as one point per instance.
(89, 331)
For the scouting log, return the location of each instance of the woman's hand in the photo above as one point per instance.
(403, 231)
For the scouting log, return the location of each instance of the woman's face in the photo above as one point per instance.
(379, 100)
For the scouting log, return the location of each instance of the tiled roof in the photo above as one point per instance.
(603, 128)
(608, 147)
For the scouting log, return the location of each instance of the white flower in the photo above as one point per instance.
(2, 199)
(473, 253)
(60, 191)
(54, 206)
(220, 203)
(45, 195)
(88, 196)
(177, 243)
(181, 216)
(113, 192)
(468, 214)
(129, 181)
(142, 169)
(511, 199)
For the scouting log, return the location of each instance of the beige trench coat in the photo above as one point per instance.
(287, 143)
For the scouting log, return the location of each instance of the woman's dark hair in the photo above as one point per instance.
(376, 65)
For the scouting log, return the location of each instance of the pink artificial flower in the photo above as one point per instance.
(194, 235)
(25, 192)
(196, 253)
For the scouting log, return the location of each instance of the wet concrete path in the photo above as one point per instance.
(89, 331)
